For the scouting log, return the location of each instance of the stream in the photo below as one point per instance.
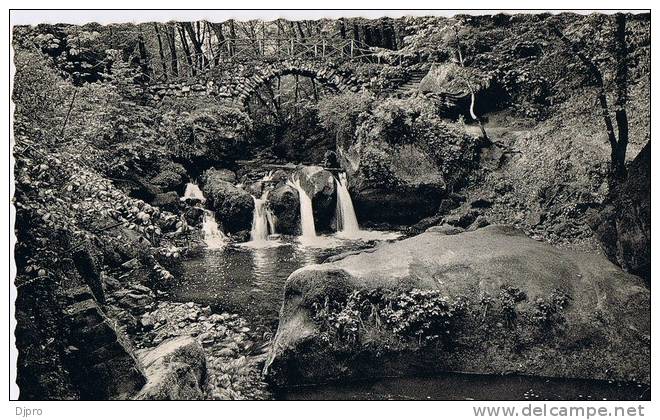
(248, 279)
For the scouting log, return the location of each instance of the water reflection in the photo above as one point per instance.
(249, 278)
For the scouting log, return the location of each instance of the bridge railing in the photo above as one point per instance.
(243, 50)
(316, 47)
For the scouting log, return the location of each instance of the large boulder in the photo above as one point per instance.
(285, 204)
(489, 301)
(399, 185)
(171, 176)
(100, 361)
(402, 160)
(623, 226)
(167, 201)
(233, 206)
(175, 370)
(319, 185)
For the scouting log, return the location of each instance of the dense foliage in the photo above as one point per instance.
(206, 131)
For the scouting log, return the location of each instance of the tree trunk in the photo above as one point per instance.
(171, 41)
(160, 50)
(300, 31)
(200, 59)
(618, 147)
(144, 56)
(621, 96)
(473, 98)
(217, 30)
(232, 42)
(186, 50)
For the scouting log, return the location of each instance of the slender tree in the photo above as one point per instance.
(161, 54)
(618, 140)
(186, 50)
(468, 82)
(195, 39)
(171, 42)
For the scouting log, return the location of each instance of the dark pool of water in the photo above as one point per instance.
(249, 280)
(461, 387)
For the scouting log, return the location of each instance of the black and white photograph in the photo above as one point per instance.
(331, 205)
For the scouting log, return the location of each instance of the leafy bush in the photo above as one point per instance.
(509, 297)
(547, 311)
(423, 315)
(38, 92)
(213, 133)
(341, 113)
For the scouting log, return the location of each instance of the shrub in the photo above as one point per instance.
(509, 297)
(423, 315)
(341, 113)
(547, 311)
(213, 132)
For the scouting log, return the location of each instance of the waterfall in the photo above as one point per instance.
(213, 236)
(193, 192)
(263, 219)
(347, 224)
(306, 212)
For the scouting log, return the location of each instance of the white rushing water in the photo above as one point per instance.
(193, 192)
(347, 224)
(261, 227)
(213, 236)
(306, 211)
(263, 219)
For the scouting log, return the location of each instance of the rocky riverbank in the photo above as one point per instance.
(234, 353)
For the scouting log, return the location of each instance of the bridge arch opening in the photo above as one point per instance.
(283, 106)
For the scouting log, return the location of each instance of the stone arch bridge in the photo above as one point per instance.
(235, 84)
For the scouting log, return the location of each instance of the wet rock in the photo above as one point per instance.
(217, 335)
(480, 221)
(175, 370)
(446, 230)
(134, 302)
(103, 366)
(285, 204)
(402, 205)
(319, 185)
(171, 176)
(600, 334)
(623, 226)
(233, 206)
(167, 201)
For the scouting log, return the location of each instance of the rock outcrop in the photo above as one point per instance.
(623, 226)
(285, 203)
(320, 187)
(175, 370)
(403, 159)
(233, 206)
(101, 362)
(509, 304)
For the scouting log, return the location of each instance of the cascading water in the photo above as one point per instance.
(306, 211)
(193, 192)
(213, 236)
(347, 224)
(263, 219)
(263, 222)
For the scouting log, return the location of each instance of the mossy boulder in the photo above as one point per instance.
(171, 176)
(285, 204)
(232, 205)
(319, 184)
(517, 306)
(175, 370)
(402, 160)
